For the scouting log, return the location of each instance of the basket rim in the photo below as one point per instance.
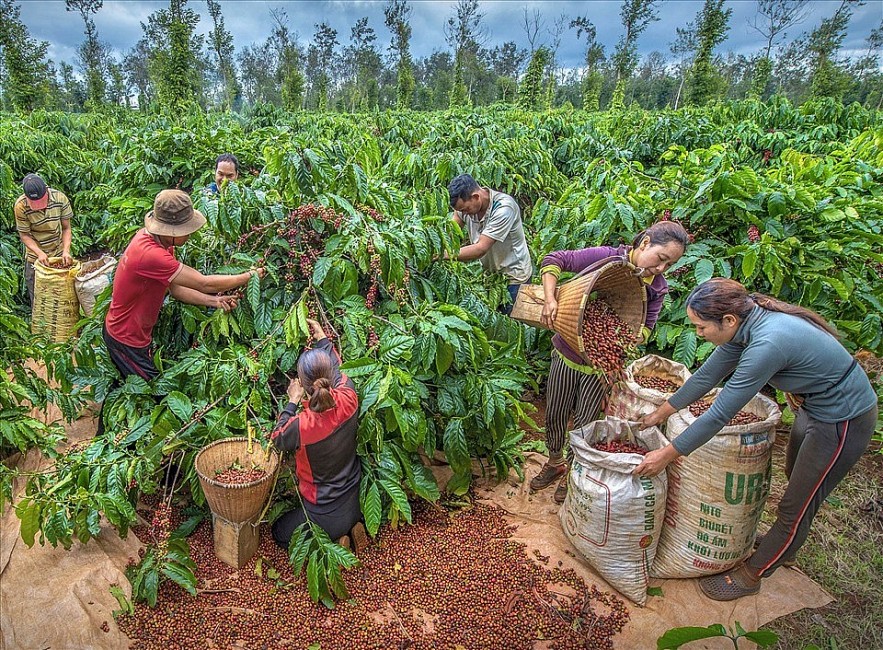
(228, 486)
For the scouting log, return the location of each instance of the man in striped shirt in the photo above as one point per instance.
(43, 220)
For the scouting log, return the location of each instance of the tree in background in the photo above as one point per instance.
(321, 61)
(364, 67)
(636, 16)
(464, 34)
(136, 68)
(175, 63)
(684, 47)
(868, 70)
(397, 14)
(827, 77)
(91, 53)
(506, 61)
(289, 78)
(73, 94)
(221, 42)
(593, 79)
(531, 92)
(712, 24)
(26, 81)
(772, 19)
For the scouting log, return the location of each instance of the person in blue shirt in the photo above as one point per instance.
(226, 171)
(763, 340)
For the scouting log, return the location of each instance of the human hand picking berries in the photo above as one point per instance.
(226, 303)
(316, 329)
(295, 391)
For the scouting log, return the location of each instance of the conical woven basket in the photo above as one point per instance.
(235, 503)
(616, 284)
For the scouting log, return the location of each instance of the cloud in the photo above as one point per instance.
(119, 23)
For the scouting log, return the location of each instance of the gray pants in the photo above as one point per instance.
(570, 392)
(818, 457)
(29, 281)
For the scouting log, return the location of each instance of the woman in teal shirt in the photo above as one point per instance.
(762, 340)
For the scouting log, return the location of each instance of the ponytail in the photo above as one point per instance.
(713, 299)
(321, 399)
(314, 371)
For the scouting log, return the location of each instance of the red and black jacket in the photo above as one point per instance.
(324, 444)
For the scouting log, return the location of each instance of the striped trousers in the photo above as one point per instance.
(819, 455)
(569, 393)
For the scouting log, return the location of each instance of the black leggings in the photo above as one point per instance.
(129, 361)
(336, 522)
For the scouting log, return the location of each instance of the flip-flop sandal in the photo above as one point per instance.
(726, 586)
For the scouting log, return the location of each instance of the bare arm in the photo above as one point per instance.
(550, 306)
(194, 297)
(476, 250)
(66, 236)
(32, 245)
(190, 278)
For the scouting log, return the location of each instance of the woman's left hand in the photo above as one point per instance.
(656, 461)
(295, 391)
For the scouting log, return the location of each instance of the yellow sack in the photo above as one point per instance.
(56, 308)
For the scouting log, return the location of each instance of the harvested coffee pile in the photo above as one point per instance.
(658, 383)
(451, 579)
(238, 476)
(742, 417)
(608, 340)
(57, 264)
(619, 447)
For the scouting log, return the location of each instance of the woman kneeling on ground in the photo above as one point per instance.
(323, 438)
(574, 388)
(763, 340)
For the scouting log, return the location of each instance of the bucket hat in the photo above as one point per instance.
(173, 215)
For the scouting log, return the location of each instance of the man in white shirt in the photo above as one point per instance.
(493, 222)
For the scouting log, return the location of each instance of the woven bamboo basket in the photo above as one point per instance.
(235, 503)
(614, 281)
(56, 307)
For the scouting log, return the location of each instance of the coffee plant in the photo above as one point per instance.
(349, 215)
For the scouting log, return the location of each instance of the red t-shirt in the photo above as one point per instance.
(140, 283)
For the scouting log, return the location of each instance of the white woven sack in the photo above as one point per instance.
(611, 516)
(92, 280)
(716, 494)
(630, 401)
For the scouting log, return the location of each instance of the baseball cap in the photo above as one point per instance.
(36, 192)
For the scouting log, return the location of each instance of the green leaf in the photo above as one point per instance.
(320, 270)
(704, 270)
(749, 263)
(372, 509)
(455, 447)
(444, 356)
(398, 496)
(180, 405)
(654, 591)
(685, 349)
(29, 513)
(763, 638)
(676, 637)
(253, 291)
(181, 576)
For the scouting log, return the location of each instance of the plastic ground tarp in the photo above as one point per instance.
(55, 599)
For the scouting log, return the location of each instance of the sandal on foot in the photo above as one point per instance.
(730, 585)
(359, 537)
(344, 541)
(548, 475)
(561, 490)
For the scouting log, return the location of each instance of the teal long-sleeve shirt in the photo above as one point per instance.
(789, 353)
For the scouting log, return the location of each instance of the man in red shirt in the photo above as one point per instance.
(147, 270)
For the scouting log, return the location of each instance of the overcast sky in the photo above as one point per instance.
(119, 23)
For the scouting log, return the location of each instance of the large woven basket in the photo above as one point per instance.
(613, 281)
(56, 307)
(235, 503)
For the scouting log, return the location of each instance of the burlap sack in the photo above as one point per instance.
(629, 400)
(716, 495)
(611, 516)
(93, 278)
(56, 308)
